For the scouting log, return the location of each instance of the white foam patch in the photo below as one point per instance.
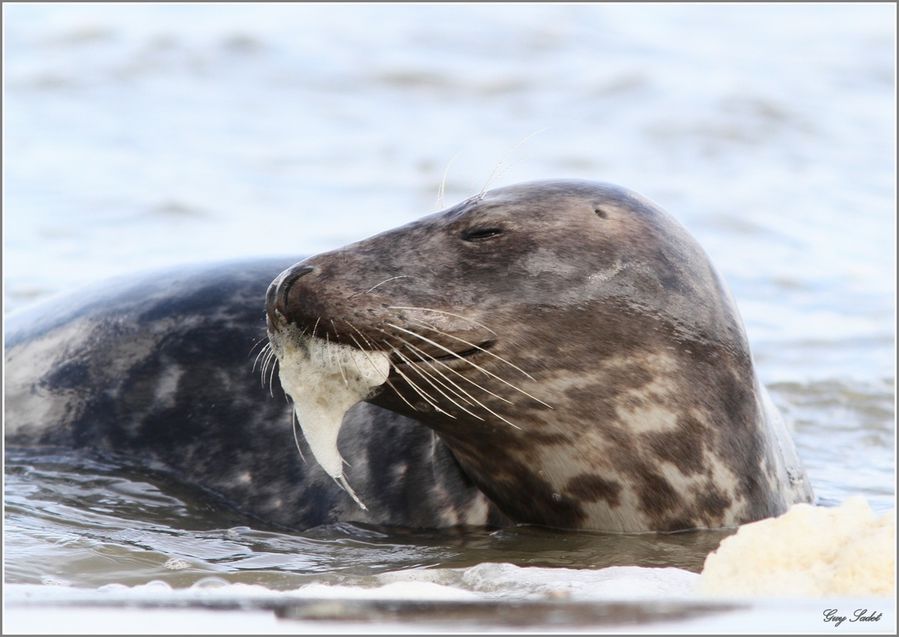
(324, 380)
(507, 581)
(413, 590)
(807, 552)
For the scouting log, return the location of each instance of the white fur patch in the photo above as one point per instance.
(325, 380)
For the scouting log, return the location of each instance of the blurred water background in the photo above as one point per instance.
(138, 136)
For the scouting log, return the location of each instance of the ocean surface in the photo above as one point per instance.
(138, 136)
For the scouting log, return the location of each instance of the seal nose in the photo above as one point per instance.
(276, 296)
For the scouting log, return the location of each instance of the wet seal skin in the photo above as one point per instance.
(560, 353)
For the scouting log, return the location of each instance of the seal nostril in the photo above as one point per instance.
(289, 278)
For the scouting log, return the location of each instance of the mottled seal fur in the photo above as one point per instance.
(157, 371)
(563, 354)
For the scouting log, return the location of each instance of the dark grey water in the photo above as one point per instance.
(139, 136)
(128, 527)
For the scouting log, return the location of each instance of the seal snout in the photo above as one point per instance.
(277, 296)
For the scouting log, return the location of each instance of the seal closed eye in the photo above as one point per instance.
(589, 372)
(481, 234)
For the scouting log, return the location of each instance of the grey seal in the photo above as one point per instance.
(562, 353)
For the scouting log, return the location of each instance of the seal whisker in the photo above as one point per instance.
(377, 285)
(424, 357)
(482, 405)
(429, 309)
(386, 347)
(265, 362)
(259, 342)
(427, 397)
(475, 365)
(442, 189)
(264, 353)
(505, 161)
(424, 374)
(373, 348)
(459, 389)
(359, 346)
(400, 394)
(271, 378)
(477, 347)
(270, 355)
(339, 361)
(315, 326)
(428, 378)
(365, 353)
(269, 362)
(361, 335)
(362, 349)
(427, 360)
(269, 368)
(295, 424)
(343, 484)
(261, 352)
(458, 393)
(421, 392)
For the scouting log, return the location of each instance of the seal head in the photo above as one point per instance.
(573, 347)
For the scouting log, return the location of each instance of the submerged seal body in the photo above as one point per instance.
(560, 353)
(156, 372)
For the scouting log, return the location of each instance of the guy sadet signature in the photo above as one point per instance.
(858, 615)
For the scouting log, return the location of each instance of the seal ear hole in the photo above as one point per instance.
(481, 234)
(602, 214)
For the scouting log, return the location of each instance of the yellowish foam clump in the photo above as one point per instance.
(807, 552)
(324, 380)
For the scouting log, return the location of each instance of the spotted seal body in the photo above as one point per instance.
(562, 353)
(157, 371)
